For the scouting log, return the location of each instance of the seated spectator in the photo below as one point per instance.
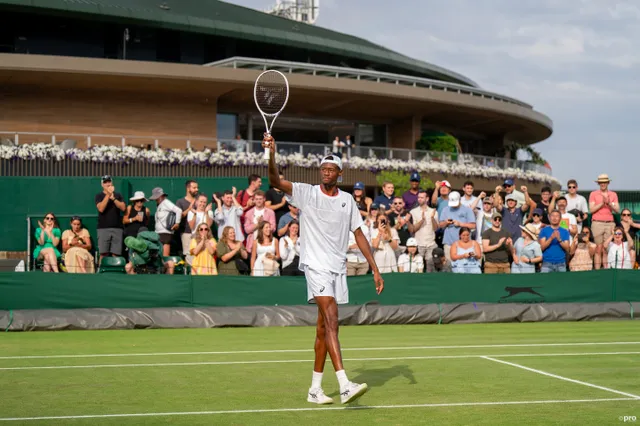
(497, 245)
(528, 251)
(203, 250)
(554, 242)
(231, 254)
(290, 250)
(255, 216)
(356, 262)
(439, 262)
(283, 225)
(48, 238)
(583, 251)
(168, 217)
(465, 254)
(619, 247)
(265, 252)
(627, 223)
(384, 241)
(76, 243)
(411, 261)
(136, 215)
(145, 254)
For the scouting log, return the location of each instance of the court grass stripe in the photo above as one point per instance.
(345, 408)
(566, 379)
(281, 361)
(387, 348)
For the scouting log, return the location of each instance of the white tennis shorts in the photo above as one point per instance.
(326, 283)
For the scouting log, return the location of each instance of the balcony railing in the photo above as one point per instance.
(83, 141)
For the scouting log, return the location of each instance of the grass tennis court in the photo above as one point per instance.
(487, 374)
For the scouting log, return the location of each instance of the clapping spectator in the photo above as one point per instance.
(283, 224)
(577, 203)
(631, 227)
(136, 215)
(265, 252)
(465, 254)
(168, 217)
(109, 204)
(48, 238)
(203, 249)
(554, 242)
(512, 215)
(454, 217)
(245, 197)
(619, 247)
(425, 225)
(187, 204)
(229, 213)
(231, 253)
(255, 216)
(384, 241)
(356, 262)
(401, 220)
(411, 261)
(385, 199)
(76, 243)
(290, 250)
(602, 204)
(200, 213)
(528, 251)
(582, 252)
(497, 245)
(568, 220)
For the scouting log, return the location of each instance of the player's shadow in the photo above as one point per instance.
(376, 377)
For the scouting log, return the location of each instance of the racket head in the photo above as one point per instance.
(271, 93)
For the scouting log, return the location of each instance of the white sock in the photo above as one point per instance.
(316, 380)
(342, 378)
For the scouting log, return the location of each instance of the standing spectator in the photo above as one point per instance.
(568, 221)
(577, 203)
(425, 225)
(362, 201)
(187, 204)
(109, 204)
(240, 144)
(136, 216)
(384, 241)
(602, 204)
(544, 204)
(203, 249)
(200, 213)
(411, 261)
(168, 217)
(470, 200)
(401, 220)
(440, 196)
(583, 249)
(228, 213)
(356, 262)
(245, 197)
(265, 252)
(484, 219)
(372, 220)
(528, 252)
(627, 223)
(337, 147)
(283, 224)
(510, 189)
(497, 245)
(438, 262)
(465, 254)
(454, 217)
(231, 253)
(512, 215)
(76, 243)
(619, 248)
(290, 250)
(255, 216)
(554, 242)
(385, 199)
(48, 238)
(410, 197)
(276, 201)
(537, 219)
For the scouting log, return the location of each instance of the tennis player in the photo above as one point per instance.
(327, 216)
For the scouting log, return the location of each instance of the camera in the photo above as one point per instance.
(383, 222)
(581, 236)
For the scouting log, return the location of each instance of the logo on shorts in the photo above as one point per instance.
(321, 289)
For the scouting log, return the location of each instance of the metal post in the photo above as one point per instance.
(249, 127)
(301, 150)
(188, 144)
(124, 143)
(53, 139)
(156, 144)
(390, 154)
(88, 141)
(17, 139)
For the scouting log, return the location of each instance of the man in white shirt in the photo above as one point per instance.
(356, 262)
(425, 224)
(470, 200)
(576, 201)
(168, 217)
(328, 216)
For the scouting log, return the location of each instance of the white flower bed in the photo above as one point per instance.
(208, 158)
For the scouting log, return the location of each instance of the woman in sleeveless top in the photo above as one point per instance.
(465, 254)
(136, 216)
(290, 250)
(619, 247)
(265, 253)
(582, 251)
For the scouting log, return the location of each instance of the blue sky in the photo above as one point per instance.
(577, 61)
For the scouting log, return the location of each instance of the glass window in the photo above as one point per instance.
(227, 126)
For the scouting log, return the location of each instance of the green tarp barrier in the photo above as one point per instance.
(37, 290)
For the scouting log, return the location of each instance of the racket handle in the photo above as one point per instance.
(267, 153)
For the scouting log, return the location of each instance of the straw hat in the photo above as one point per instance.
(603, 178)
(531, 230)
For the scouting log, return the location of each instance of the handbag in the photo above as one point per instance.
(170, 221)
(243, 268)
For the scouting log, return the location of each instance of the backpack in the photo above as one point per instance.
(145, 249)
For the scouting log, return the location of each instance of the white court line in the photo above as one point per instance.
(346, 408)
(387, 348)
(281, 361)
(566, 379)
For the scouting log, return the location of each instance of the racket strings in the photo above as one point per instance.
(271, 93)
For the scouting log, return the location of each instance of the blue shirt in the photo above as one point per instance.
(554, 253)
(284, 220)
(441, 204)
(383, 200)
(462, 214)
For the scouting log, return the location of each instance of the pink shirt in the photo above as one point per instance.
(605, 214)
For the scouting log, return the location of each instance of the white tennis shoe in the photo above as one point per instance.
(317, 396)
(352, 391)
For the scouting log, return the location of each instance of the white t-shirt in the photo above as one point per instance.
(468, 201)
(426, 235)
(580, 203)
(355, 255)
(415, 265)
(326, 223)
(618, 256)
(200, 218)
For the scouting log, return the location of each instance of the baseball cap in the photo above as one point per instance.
(487, 200)
(106, 178)
(332, 159)
(539, 212)
(445, 183)
(437, 253)
(454, 199)
(510, 197)
(374, 206)
(508, 182)
(412, 242)
(415, 177)
(496, 214)
(359, 185)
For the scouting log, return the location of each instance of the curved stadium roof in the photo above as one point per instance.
(228, 20)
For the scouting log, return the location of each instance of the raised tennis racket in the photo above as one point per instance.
(271, 93)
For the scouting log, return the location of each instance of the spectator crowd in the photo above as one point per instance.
(252, 232)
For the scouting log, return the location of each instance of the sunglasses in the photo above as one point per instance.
(536, 215)
(572, 187)
(508, 186)
(203, 229)
(497, 219)
(397, 204)
(617, 233)
(626, 214)
(48, 218)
